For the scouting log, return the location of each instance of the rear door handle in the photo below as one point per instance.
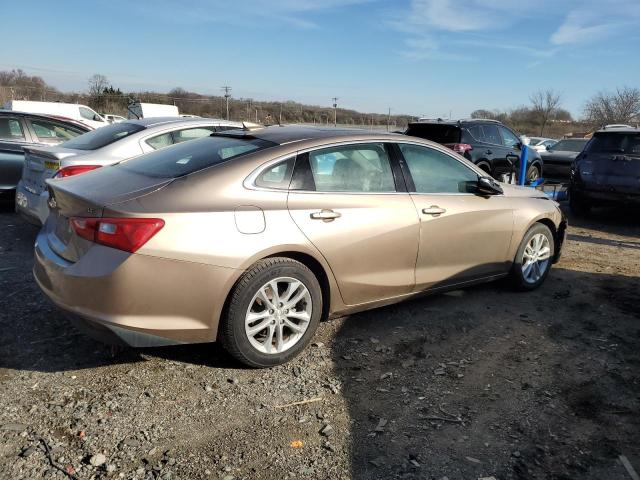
(489, 152)
(326, 215)
(434, 210)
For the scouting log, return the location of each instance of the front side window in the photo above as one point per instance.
(51, 132)
(352, 168)
(160, 141)
(104, 136)
(191, 134)
(10, 129)
(436, 172)
(508, 138)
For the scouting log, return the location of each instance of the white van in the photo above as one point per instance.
(148, 110)
(75, 111)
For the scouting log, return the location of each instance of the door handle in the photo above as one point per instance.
(489, 152)
(433, 210)
(326, 215)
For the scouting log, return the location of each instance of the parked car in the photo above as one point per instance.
(606, 172)
(75, 111)
(541, 144)
(492, 146)
(117, 142)
(558, 158)
(139, 110)
(112, 118)
(18, 130)
(251, 237)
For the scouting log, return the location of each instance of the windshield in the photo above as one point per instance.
(575, 145)
(188, 157)
(439, 133)
(625, 143)
(103, 136)
(533, 141)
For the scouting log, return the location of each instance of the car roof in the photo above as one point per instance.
(283, 134)
(153, 121)
(616, 129)
(440, 121)
(57, 118)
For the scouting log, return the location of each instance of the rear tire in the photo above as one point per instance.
(261, 328)
(579, 206)
(533, 259)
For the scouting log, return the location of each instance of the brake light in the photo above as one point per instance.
(74, 170)
(460, 148)
(127, 234)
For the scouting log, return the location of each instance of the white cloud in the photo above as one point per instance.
(582, 26)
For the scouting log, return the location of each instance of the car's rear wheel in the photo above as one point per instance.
(579, 206)
(273, 312)
(534, 258)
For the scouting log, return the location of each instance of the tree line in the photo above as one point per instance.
(543, 116)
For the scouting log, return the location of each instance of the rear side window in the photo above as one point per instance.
(189, 157)
(180, 136)
(160, 141)
(10, 129)
(439, 133)
(104, 136)
(622, 143)
(51, 132)
(277, 176)
(352, 168)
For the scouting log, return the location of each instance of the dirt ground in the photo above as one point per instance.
(478, 383)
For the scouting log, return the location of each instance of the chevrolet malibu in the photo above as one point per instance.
(251, 237)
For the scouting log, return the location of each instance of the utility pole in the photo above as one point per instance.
(280, 117)
(335, 111)
(388, 119)
(227, 94)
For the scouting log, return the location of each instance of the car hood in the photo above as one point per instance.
(560, 156)
(520, 191)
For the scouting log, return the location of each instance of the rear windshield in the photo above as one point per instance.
(570, 145)
(103, 136)
(435, 132)
(624, 143)
(188, 157)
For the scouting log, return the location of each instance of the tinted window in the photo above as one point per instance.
(436, 132)
(189, 157)
(51, 132)
(476, 132)
(104, 136)
(508, 138)
(575, 145)
(436, 172)
(191, 134)
(10, 129)
(624, 143)
(276, 176)
(160, 141)
(491, 135)
(352, 168)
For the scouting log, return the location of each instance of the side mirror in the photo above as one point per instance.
(548, 148)
(97, 118)
(488, 186)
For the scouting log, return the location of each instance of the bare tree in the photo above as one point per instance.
(545, 103)
(97, 84)
(621, 106)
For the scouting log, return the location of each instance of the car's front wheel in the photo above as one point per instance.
(273, 312)
(534, 258)
(533, 173)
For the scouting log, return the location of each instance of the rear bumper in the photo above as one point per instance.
(137, 300)
(32, 207)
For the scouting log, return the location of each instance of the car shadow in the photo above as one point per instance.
(489, 382)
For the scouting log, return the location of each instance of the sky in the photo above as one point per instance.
(418, 57)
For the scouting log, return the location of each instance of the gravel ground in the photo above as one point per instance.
(478, 383)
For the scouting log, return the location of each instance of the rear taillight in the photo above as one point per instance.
(128, 234)
(460, 148)
(74, 170)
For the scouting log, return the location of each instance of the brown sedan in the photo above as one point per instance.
(252, 236)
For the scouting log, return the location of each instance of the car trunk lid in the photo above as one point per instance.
(87, 195)
(41, 164)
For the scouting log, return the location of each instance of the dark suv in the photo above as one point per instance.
(489, 144)
(607, 171)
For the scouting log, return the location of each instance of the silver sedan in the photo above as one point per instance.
(105, 146)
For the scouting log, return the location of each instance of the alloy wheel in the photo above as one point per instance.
(536, 258)
(278, 315)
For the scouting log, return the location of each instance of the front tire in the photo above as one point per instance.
(533, 174)
(273, 313)
(533, 259)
